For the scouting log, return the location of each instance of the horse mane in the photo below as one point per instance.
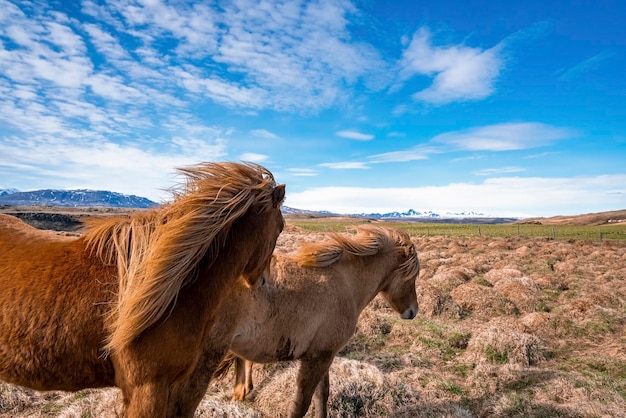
(369, 240)
(157, 251)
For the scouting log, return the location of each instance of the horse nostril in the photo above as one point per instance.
(409, 314)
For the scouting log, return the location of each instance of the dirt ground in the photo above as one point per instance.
(508, 327)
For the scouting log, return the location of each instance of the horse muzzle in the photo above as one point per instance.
(409, 313)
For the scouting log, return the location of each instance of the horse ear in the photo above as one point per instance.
(409, 251)
(278, 195)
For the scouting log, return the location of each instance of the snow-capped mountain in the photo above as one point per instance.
(286, 210)
(411, 213)
(86, 198)
(8, 191)
(76, 198)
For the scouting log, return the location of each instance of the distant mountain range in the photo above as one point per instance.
(409, 214)
(87, 198)
(73, 198)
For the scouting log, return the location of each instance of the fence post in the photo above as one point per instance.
(553, 233)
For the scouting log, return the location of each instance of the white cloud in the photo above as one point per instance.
(499, 137)
(355, 135)
(508, 196)
(586, 66)
(459, 72)
(142, 167)
(500, 170)
(504, 137)
(263, 133)
(419, 152)
(350, 165)
(253, 157)
(223, 91)
(302, 172)
(283, 49)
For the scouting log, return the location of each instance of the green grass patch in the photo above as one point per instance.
(495, 356)
(483, 282)
(453, 388)
(561, 232)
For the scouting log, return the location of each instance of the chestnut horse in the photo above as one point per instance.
(131, 303)
(310, 305)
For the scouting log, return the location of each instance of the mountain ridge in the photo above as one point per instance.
(86, 198)
(73, 198)
(83, 198)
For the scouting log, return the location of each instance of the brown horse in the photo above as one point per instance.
(131, 303)
(310, 305)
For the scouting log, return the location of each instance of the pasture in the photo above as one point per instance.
(521, 230)
(509, 325)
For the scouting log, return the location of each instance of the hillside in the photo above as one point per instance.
(602, 218)
(73, 198)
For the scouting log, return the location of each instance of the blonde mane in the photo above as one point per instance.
(157, 251)
(369, 240)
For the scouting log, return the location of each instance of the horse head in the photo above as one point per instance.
(271, 219)
(399, 291)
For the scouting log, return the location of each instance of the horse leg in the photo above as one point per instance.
(311, 372)
(186, 395)
(321, 397)
(243, 379)
(146, 401)
(249, 384)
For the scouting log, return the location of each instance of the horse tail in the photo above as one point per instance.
(225, 365)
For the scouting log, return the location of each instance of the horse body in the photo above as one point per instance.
(131, 303)
(47, 341)
(305, 311)
(310, 307)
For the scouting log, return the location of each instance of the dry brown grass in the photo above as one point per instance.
(508, 327)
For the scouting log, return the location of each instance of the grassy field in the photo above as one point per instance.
(528, 324)
(585, 232)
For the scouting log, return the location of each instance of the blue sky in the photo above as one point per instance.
(510, 108)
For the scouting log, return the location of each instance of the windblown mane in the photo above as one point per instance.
(157, 251)
(369, 240)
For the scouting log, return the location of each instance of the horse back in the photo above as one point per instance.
(54, 299)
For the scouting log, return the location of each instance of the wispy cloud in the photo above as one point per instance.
(253, 157)
(459, 72)
(263, 133)
(355, 135)
(504, 137)
(91, 160)
(500, 137)
(66, 165)
(302, 172)
(419, 152)
(587, 66)
(154, 54)
(350, 165)
(500, 170)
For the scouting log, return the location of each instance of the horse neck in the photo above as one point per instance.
(215, 280)
(369, 274)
